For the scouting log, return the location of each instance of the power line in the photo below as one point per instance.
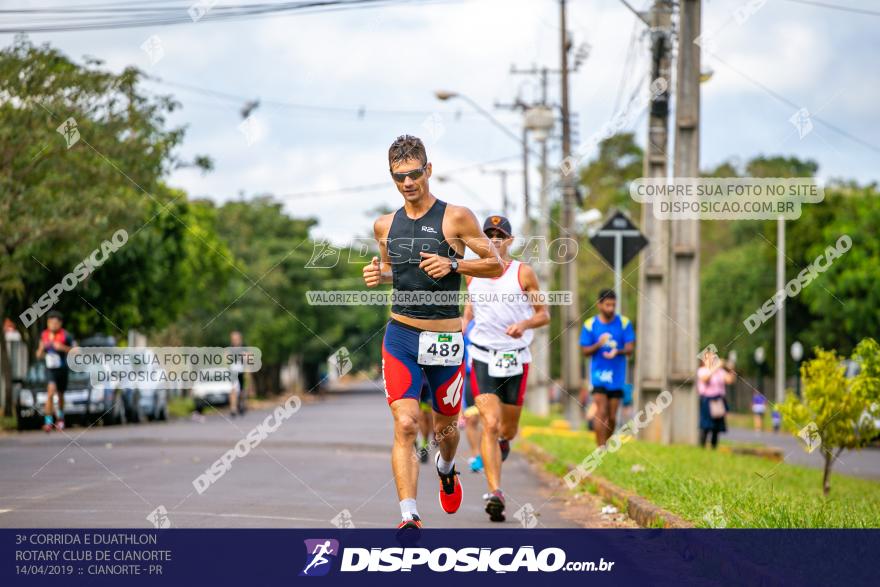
(836, 7)
(640, 16)
(791, 104)
(384, 184)
(238, 99)
(167, 15)
(626, 71)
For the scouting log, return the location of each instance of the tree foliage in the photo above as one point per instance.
(834, 412)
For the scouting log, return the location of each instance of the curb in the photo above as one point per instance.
(769, 452)
(640, 510)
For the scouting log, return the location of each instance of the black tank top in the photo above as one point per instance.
(406, 239)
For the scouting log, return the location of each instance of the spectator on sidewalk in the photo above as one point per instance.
(712, 377)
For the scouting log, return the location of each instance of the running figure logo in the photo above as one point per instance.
(317, 553)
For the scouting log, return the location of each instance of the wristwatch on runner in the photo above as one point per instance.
(454, 266)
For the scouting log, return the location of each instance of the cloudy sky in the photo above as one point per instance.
(337, 87)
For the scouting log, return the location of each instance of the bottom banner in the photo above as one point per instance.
(253, 558)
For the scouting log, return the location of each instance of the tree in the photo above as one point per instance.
(841, 302)
(82, 154)
(835, 412)
(267, 254)
(606, 179)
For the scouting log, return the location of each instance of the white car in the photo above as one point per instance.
(214, 388)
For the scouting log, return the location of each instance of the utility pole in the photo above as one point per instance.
(502, 173)
(527, 207)
(571, 352)
(684, 251)
(541, 400)
(780, 313)
(650, 365)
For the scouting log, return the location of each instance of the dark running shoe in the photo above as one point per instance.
(495, 505)
(504, 445)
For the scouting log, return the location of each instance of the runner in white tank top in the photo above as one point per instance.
(504, 316)
(499, 303)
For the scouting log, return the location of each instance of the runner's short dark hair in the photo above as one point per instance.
(55, 314)
(406, 148)
(607, 294)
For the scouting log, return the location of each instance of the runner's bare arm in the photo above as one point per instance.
(379, 269)
(467, 232)
(541, 316)
(40, 349)
(467, 316)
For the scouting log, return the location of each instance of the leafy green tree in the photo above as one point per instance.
(836, 413)
(840, 304)
(736, 271)
(82, 153)
(264, 294)
(606, 179)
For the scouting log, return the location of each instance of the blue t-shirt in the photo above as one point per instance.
(608, 373)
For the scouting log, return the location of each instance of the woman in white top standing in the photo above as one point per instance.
(504, 315)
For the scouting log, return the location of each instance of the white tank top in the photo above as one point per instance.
(499, 302)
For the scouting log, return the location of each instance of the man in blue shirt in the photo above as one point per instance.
(608, 338)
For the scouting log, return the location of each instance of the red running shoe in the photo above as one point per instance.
(450, 489)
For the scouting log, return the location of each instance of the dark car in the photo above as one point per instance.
(83, 403)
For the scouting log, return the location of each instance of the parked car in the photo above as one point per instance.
(144, 402)
(83, 403)
(852, 369)
(153, 399)
(214, 388)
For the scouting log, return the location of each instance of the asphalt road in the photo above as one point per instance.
(858, 463)
(330, 456)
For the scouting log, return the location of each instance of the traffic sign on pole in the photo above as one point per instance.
(618, 241)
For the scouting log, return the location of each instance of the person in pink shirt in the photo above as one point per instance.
(712, 377)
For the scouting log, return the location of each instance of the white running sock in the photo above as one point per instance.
(408, 509)
(444, 466)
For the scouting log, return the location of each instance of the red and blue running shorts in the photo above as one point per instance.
(403, 374)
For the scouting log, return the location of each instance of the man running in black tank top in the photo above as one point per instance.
(421, 248)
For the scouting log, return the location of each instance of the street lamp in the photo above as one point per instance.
(759, 360)
(446, 95)
(797, 354)
(539, 121)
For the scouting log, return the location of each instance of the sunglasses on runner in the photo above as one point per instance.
(413, 174)
(493, 233)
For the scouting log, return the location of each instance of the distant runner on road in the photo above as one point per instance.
(237, 399)
(422, 246)
(55, 343)
(504, 319)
